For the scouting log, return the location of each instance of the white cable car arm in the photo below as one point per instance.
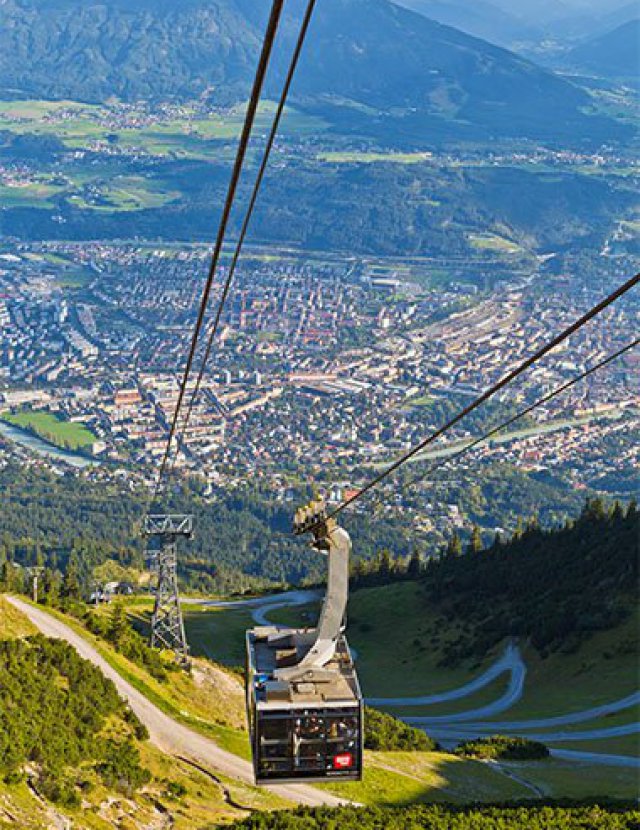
(335, 543)
(335, 601)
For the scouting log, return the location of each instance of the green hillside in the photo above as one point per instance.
(13, 623)
(419, 636)
(567, 676)
(59, 723)
(550, 588)
(506, 590)
(190, 797)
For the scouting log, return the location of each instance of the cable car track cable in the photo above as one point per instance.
(435, 467)
(504, 381)
(265, 54)
(249, 213)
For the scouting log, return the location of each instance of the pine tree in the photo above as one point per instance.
(7, 576)
(454, 545)
(118, 624)
(594, 509)
(519, 531)
(50, 594)
(616, 512)
(385, 566)
(358, 572)
(414, 568)
(475, 542)
(71, 582)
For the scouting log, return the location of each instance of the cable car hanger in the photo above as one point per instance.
(304, 704)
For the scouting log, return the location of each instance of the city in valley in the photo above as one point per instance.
(325, 367)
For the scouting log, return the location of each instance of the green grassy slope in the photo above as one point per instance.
(13, 623)
(391, 778)
(602, 669)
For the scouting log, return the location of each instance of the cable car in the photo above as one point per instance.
(304, 704)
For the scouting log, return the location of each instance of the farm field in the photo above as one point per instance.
(373, 158)
(78, 125)
(491, 242)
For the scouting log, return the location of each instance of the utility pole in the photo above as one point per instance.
(34, 573)
(167, 625)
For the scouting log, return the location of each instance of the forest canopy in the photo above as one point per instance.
(448, 817)
(53, 708)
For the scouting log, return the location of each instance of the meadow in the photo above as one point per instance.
(46, 425)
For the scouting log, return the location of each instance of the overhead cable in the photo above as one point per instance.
(252, 202)
(267, 47)
(489, 393)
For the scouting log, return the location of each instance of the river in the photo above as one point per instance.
(37, 445)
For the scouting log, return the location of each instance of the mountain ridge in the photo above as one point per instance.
(420, 74)
(615, 53)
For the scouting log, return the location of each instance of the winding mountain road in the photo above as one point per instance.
(261, 606)
(583, 715)
(511, 661)
(596, 757)
(459, 726)
(167, 734)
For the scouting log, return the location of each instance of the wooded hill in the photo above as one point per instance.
(242, 538)
(552, 587)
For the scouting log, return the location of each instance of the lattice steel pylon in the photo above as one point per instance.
(167, 625)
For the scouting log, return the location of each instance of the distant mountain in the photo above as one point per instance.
(614, 54)
(623, 14)
(368, 65)
(478, 18)
(130, 50)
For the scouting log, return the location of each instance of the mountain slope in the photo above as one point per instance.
(90, 51)
(614, 54)
(367, 51)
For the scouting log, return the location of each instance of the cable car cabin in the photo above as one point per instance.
(302, 731)
(304, 704)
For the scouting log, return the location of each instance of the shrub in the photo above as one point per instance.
(389, 734)
(120, 767)
(536, 816)
(53, 708)
(503, 748)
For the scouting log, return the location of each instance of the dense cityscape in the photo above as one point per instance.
(322, 367)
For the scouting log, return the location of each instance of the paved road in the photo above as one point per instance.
(511, 661)
(261, 606)
(596, 758)
(558, 720)
(169, 735)
(449, 736)
(482, 730)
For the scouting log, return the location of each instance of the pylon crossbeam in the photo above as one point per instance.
(177, 524)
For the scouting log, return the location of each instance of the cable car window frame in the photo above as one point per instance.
(295, 765)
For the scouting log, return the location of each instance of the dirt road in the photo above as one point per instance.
(169, 735)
